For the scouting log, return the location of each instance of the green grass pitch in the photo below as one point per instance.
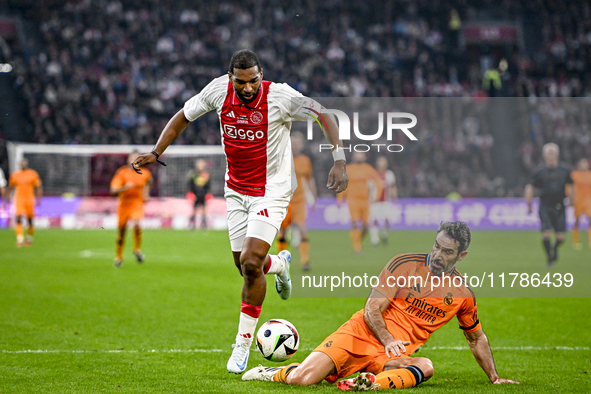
(166, 326)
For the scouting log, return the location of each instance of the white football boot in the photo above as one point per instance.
(282, 280)
(261, 373)
(239, 358)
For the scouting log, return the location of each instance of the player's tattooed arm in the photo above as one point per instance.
(175, 126)
(481, 350)
(374, 307)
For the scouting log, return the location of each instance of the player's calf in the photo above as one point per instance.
(405, 373)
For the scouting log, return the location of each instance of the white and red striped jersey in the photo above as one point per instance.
(388, 180)
(255, 136)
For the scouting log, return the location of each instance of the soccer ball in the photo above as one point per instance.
(278, 340)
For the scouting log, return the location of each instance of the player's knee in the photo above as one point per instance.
(252, 266)
(426, 367)
(560, 237)
(18, 220)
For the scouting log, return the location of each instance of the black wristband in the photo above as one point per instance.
(157, 157)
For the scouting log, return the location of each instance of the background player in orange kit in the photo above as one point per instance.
(581, 199)
(358, 196)
(397, 320)
(133, 190)
(28, 192)
(297, 212)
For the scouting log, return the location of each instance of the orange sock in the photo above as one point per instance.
(304, 251)
(356, 239)
(137, 238)
(19, 232)
(576, 236)
(281, 375)
(120, 243)
(401, 378)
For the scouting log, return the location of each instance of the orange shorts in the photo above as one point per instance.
(359, 210)
(583, 209)
(287, 221)
(133, 210)
(296, 213)
(353, 348)
(25, 207)
(299, 212)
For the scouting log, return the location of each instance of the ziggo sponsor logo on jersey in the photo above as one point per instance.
(242, 134)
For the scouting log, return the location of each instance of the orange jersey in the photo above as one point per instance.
(25, 182)
(303, 170)
(359, 175)
(582, 182)
(416, 312)
(126, 175)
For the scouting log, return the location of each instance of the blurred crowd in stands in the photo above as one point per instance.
(113, 72)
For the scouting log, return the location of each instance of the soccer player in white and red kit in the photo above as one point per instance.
(255, 121)
(380, 208)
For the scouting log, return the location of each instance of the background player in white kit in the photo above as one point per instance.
(3, 193)
(255, 120)
(380, 208)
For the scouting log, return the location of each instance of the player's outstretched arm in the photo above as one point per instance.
(374, 306)
(175, 126)
(481, 350)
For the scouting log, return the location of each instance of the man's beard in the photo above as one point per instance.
(248, 100)
(436, 270)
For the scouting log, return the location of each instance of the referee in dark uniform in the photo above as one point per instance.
(551, 178)
(199, 185)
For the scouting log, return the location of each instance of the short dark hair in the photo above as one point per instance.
(458, 231)
(244, 59)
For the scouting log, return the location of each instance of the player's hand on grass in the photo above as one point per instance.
(396, 348)
(143, 160)
(337, 177)
(501, 381)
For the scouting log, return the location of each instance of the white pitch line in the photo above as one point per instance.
(514, 348)
(75, 351)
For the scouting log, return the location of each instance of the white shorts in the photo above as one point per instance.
(256, 217)
(379, 211)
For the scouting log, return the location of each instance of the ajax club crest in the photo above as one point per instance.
(256, 117)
